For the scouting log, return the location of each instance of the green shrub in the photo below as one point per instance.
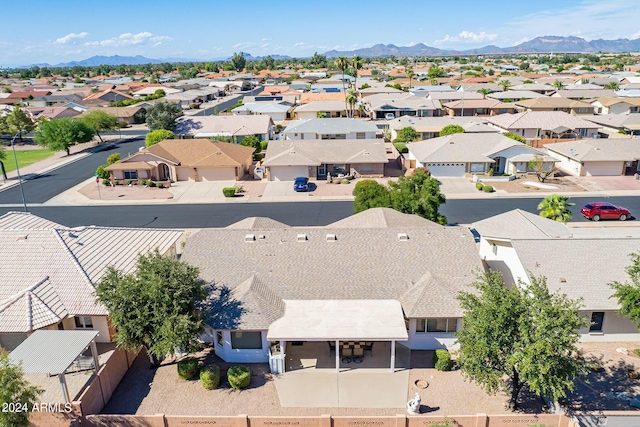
(487, 189)
(106, 182)
(401, 147)
(151, 184)
(239, 377)
(143, 182)
(114, 158)
(479, 186)
(257, 157)
(491, 172)
(442, 360)
(264, 145)
(188, 368)
(117, 182)
(160, 185)
(210, 377)
(345, 181)
(128, 182)
(101, 173)
(229, 191)
(637, 351)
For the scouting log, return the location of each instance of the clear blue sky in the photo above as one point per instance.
(42, 31)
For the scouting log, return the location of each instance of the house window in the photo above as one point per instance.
(597, 319)
(243, 340)
(494, 249)
(477, 167)
(130, 174)
(360, 135)
(219, 339)
(421, 325)
(437, 325)
(339, 168)
(83, 322)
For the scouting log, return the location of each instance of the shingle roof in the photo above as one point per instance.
(231, 125)
(384, 218)
(330, 126)
(316, 106)
(545, 120)
(519, 224)
(552, 102)
(23, 220)
(257, 222)
(352, 266)
(315, 152)
(598, 150)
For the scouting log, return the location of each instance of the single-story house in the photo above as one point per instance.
(130, 115)
(50, 282)
(312, 109)
(238, 127)
(586, 95)
(276, 277)
(278, 111)
(544, 124)
(541, 88)
(107, 95)
(613, 124)
(287, 159)
(523, 245)
(461, 153)
(477, 107)
(597, 157)
(515, 95)
(407, 105)
(54, 100)
(549, 103)
(616, 105)
(51, 112)
(450, 96)
(193, 96)
(430, 127)
(186, 160)
(335, 128)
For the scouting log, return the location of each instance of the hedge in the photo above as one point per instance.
(264, 145)
(487, 189)
(188, 368)
(442, 360)
(401, 147)
(229, 191)
(239, 377)
(210, 377)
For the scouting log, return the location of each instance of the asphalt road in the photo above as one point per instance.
(293, 213)
(44, 187)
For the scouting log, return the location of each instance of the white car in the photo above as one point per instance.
(389, 116)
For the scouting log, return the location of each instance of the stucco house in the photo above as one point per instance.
(430, 127)
(312, 109)
(477, 107)
(566, 105)
(544, 124)
(461, 153)
(616, 105)
(238, 127)
(186, 160)
(597, 157)
(288, 159)
(521, 245)
(48, 277)
(277, 277)
(334, 128)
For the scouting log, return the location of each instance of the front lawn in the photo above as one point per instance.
(25, 157)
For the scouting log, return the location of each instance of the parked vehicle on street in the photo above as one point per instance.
(595, 211)
(301, 183)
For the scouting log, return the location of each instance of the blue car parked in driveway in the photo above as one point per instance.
(301, 184)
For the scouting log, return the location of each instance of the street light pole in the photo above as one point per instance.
(15, 158)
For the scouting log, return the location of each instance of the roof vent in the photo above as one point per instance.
(21, 237)
(219, 153)
(262, 237)
(249, 237)
(331, 238)
(563, 280)
(403, 236)
(302, 237)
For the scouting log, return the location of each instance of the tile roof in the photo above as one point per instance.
(196, 153)
(616, 120)
(50, 270)
(330, 126)
(435, 124)
(315, 152)
(350, 267)
(552, 102)
(545, 120)
(477, 103)
(316, 106)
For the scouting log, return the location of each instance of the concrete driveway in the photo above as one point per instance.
(450, 185)
(608, 183)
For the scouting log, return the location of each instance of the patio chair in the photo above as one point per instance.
(358, 351)
(346, 354)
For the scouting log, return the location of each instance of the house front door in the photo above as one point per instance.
(322, 171)
(631, 168)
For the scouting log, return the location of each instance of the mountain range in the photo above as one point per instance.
(545, 44)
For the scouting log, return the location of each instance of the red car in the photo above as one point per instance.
(596, 211)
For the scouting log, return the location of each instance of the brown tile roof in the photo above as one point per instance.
(100, 94)
(200, 152)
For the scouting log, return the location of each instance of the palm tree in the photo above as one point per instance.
(484, 91)
(357, 63)
(556, 207)
(343, 63)
(410, 74)
(558, 85)
(506, 84)
(612, 86)
(351, 99)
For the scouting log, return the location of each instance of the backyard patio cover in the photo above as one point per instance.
(330, 320)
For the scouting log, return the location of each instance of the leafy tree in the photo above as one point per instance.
(100, 121)
(559, 85)
(364, 86)
(61, 134)
(407, 134)
(158, 306)
(524, 334)
(19, 122)
(556, 207)
(435, 72)
(612, 86)
(451, 129)
(368, 194)
(14, 389)
(515, 137)
(321, 114)
(542, 172)
(484, 91)
(156, 136)
(252, 141)
(239, 61)
(418, 194)
(114, 158)
(163, 115)
(628, 293)
(102, 173)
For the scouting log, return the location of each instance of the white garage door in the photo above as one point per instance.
(603, 168)
(217, 174)
(288, 173)
(446, 169)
